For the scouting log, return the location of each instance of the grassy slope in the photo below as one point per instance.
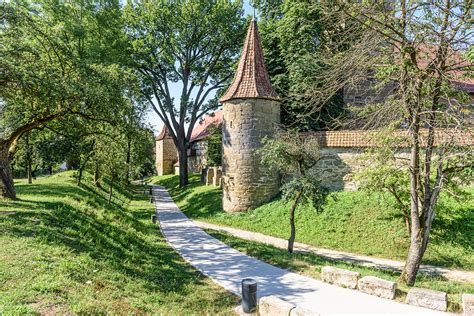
(66, 250)
(351, 221)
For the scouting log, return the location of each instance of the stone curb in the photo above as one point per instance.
(427, 298)
(274, 306)
(340, 277)
(378, 287)
(468, 304)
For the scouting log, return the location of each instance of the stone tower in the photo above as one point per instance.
(251, 110)
(166, 153)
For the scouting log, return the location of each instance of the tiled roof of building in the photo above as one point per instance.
(251, 80)
(459, 66)
(361, 139)
(202, 129)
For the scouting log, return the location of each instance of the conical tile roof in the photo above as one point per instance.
(251, 80)
(165, 133)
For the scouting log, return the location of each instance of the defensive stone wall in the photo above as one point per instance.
(343, 153)
(246, 182)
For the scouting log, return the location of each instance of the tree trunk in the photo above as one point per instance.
(96, 178)
(183, 167)
(7, 188)
(79, 177)
(415, 254)
(291, 240)
(110, 190)
(129, 151)
(29, 171)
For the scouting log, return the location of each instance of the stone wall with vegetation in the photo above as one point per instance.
(343, 156)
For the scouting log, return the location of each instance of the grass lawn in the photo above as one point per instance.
(357, 222)
(65, 250)
(311, 265)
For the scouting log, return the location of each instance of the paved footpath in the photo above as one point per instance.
(366, 261)
(227, 267)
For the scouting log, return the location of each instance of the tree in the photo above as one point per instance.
(420, 57)
(190, 44)
(293, 32)
(59, 60)
(214, 146)
(109, 157)
(294, 155)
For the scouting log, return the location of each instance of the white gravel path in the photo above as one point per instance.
(379, 263)
(227, 267)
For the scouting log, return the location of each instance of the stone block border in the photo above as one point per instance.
(275, 306)
(341, 277)
(426, 298)
(378, 287)
(468, 304)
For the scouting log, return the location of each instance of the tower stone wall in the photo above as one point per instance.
(247, 184)
(166, 156)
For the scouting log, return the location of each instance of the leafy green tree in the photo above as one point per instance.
(214, 147)
(109, 157)
(190, 44)
(59, 61)
(292, 34)
(27, 157)
(293, 156)
(423, 102)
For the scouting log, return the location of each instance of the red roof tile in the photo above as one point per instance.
(202, 129)
(251, 80)
(359, 138)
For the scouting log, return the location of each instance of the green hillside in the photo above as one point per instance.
(64, 249)
(351, 221)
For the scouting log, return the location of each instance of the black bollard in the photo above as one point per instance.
(249, 295)
(151, 191)
(153, 219)
(151, 200)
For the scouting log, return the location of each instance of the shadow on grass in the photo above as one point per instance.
(112, 234)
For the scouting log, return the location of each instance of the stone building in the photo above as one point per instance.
(368, 91)
(167, 155)
(251, 110)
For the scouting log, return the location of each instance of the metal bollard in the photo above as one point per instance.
(151, 191)
(153, 219)
(151, 200)
(249, 295)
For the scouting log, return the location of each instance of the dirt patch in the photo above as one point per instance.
(7, 213)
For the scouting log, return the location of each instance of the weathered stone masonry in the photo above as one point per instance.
(247, 183)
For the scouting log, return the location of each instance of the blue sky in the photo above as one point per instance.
(152, 117)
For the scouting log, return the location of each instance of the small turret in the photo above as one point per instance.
(166, 153)
(251, 110)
